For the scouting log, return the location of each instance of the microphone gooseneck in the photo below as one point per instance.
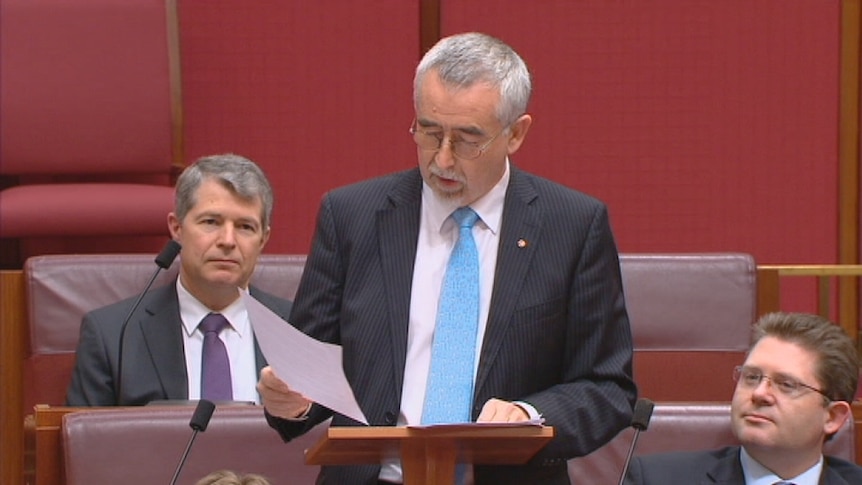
(640, 422)
(200, 420)
(163, 261)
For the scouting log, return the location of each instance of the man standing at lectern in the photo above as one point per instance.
(467, 289)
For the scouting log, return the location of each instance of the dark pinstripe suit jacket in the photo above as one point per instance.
(557, 335)
(720, 466)
(154, 363)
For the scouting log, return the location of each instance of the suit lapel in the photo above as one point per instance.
(161, 329)
(398, 230)
(831, 477)
(520, 231)
(727, 469)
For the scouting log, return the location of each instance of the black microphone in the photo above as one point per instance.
(200, 420)
(640, 421)
(164, 260)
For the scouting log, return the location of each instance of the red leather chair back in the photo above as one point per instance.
(89, 117)
(144, 445)
(691, 317)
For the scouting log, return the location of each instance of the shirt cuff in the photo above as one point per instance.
(534, 414)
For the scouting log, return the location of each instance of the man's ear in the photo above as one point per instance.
(174, 226)
(265, 236)
(518, 131)
(837, 413)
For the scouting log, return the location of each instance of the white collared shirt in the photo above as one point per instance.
(438, 234)
(757, 474)
(238, 339)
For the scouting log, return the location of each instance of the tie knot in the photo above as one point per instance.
(214, 322)
(465, 217)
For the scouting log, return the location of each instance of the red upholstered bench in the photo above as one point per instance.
(144, 445)
(690, 314)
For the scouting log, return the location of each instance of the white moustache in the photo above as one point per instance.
(446, 174)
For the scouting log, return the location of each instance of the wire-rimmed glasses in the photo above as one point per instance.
(463, 149)
(751, 377)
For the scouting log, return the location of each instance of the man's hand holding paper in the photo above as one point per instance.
(279, 399)
(312, 368)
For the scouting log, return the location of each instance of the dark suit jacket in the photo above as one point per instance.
(719, 466)
(154, 366)
(557, 335)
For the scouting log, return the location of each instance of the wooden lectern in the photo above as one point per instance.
(429, 454)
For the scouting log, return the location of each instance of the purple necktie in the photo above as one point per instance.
(215, 366)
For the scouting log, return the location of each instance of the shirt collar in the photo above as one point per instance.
(192, 311)
(757, 474)
(489, 207)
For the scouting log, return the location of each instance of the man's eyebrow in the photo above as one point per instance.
(469, 130)
(250, 220)
(210, 214)
(786, 376)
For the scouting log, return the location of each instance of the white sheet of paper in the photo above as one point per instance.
(484, 424)
(305, 364)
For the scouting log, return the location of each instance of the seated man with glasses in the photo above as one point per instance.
(792, 394)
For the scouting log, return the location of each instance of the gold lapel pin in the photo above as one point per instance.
(522, 243)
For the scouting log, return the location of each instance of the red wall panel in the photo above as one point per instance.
(319, 94)
(706, 126)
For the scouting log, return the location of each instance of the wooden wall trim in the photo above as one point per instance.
(12, 345)
(175, 73)
(856, 406)
(429, 25)
(848, 158)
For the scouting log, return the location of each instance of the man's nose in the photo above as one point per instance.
(227, 236)
(446, 154)
(763, 389)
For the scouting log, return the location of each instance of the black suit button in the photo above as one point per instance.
(389, 417)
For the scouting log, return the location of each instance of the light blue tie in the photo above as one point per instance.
(449, 395)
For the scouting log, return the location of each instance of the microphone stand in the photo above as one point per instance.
(640, 421)
(163, 261)
(200, 420)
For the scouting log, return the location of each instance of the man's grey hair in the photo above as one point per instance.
(464, 60)
(238, 174)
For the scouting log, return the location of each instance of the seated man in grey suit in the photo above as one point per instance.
(792, 393)
(222, 220)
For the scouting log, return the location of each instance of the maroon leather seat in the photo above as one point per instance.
(691, 317)
(89, 115)
(144, 445)
(690, 314)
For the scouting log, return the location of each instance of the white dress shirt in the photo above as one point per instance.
(438, 234)
(757, 474)
(238, 339)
